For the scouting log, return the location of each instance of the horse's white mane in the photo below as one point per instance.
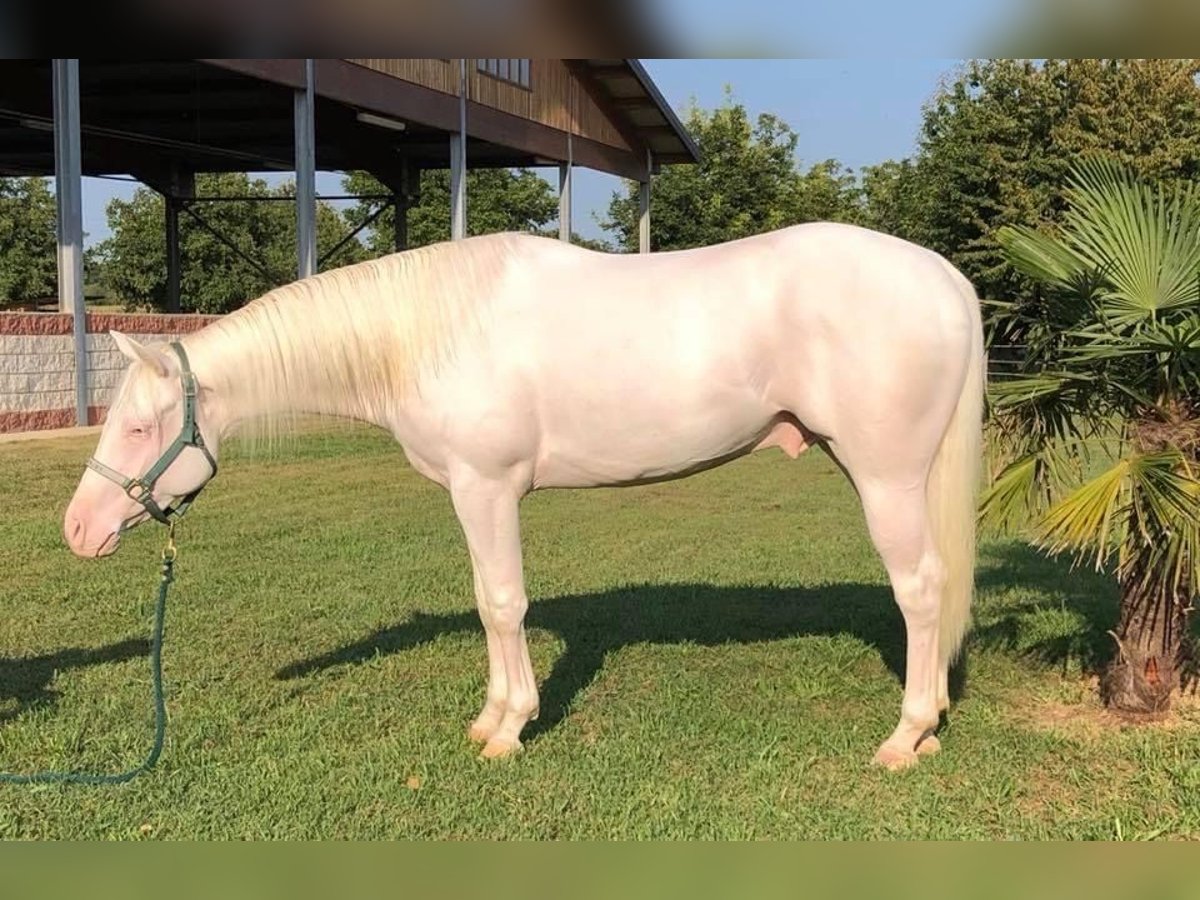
(357, 338)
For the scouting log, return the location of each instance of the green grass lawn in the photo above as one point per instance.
(718, 657)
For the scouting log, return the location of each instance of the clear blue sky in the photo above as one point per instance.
(819, 28)
(859, 111)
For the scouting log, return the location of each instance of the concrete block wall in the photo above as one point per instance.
(37, 363)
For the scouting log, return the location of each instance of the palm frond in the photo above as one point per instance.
(1144, 509)
(1035, 386)
(1011, 499)
(1145, 240)
(1040, 256)
(1165, 518)
(1081, 521)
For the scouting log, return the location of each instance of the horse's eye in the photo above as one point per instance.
(138, 430)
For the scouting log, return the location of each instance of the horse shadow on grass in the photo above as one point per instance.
(1084, 601)
(592, 625)
(26, 680)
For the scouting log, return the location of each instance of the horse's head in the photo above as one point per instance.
(155, 453)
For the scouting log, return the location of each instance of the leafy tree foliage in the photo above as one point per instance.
(893, 200)
(998, 141)
(214, 278)
(497, 200)
(746, 183)
(28, 265)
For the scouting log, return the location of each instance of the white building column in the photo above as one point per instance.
(565, 171)
(304, 122)
(458, 162)
(644, 207)
(644, 216)
(68, 196)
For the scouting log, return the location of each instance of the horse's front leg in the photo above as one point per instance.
(487, 511)
(488, 721)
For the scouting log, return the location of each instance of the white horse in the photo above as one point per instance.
(508, 363)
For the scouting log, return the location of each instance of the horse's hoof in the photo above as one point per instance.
(929, 745)
(497, 748)
(894, 760)
(479, 734)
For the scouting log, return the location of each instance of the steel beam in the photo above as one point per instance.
(402, 199)
(171, 205)
(644, 207)
(306, 176)
(68, 195)
(565, 171)
(458, 162)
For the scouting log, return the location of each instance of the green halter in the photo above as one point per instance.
(142, 489)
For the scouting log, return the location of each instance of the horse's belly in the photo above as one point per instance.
(639, 441)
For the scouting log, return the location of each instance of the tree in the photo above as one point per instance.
(497, 200)
(747, 182)
(28, 261)
(998, 141)
(213, 278)
(893, 200)
(1111, 381)
(827, 192)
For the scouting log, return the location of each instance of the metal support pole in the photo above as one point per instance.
(68, 195)
(171, 205)
(644, 217)
(177, 187)
(644, 207)
(400, 213)
(458, 162)
(564, 195)
(306, 176)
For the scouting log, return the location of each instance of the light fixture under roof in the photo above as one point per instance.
(381, 121)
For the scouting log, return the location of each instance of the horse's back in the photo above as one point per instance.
(800, 304)
(824, 269)
(637, 366)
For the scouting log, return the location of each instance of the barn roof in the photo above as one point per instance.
(151, 117)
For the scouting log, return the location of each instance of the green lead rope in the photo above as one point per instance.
(160, 707)
(141, 490)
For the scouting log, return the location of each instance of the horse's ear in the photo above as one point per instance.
(155, 359)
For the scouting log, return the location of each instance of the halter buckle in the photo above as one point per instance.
(138, 491)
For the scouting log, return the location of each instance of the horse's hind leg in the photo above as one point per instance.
(898, 521)
(487, 511)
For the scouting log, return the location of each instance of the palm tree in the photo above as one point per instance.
(1098, 430)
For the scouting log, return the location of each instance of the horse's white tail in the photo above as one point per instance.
(953, 489)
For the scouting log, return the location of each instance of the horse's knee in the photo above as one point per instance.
(507, 607)
(918, 590)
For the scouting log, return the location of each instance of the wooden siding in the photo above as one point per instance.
(555, 97)
(439, 74)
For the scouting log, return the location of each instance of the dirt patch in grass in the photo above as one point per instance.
(1078, 712)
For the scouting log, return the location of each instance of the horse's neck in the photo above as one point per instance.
(354, 342)
(253, 375)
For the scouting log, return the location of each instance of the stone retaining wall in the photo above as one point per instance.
(37, 363)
